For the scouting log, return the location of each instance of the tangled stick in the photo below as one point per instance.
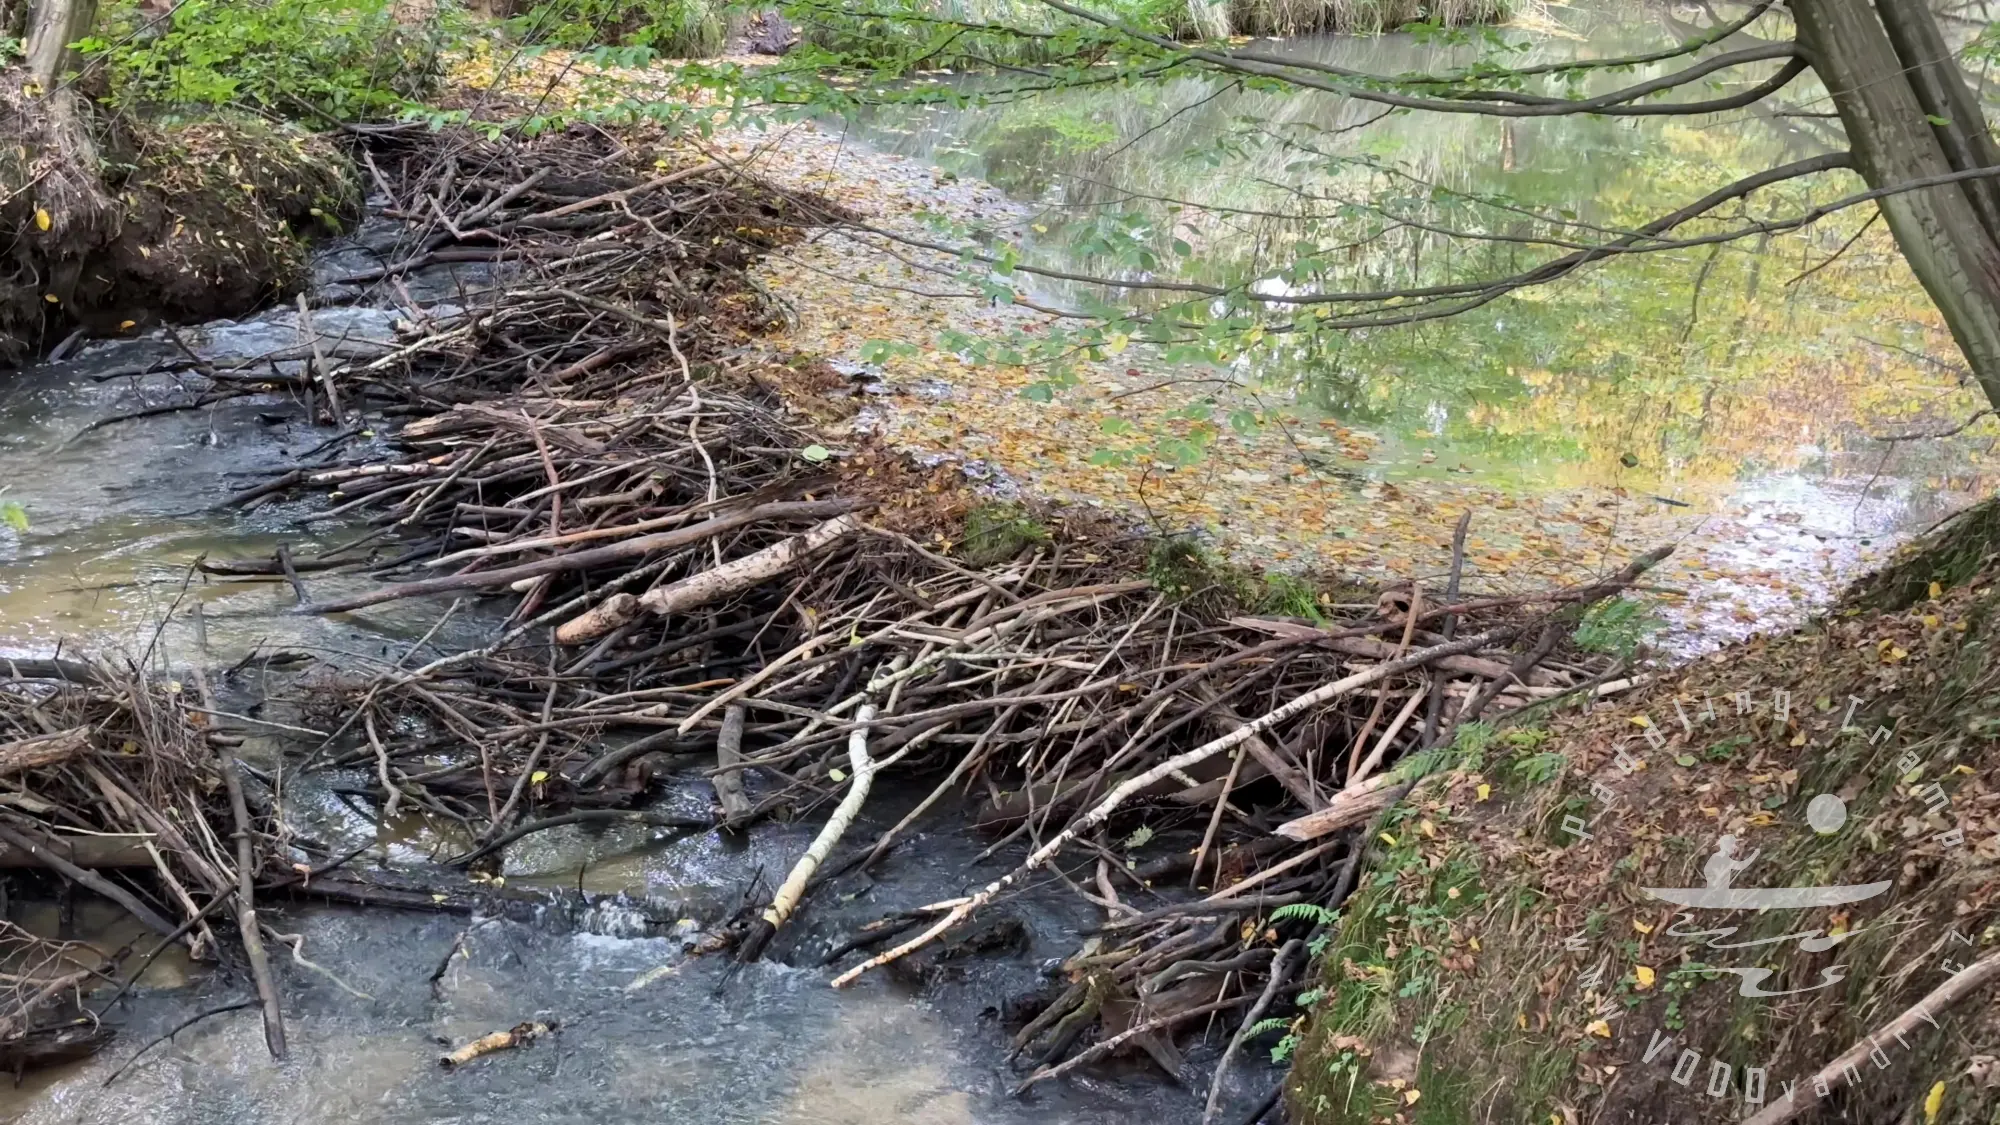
(1177, 764)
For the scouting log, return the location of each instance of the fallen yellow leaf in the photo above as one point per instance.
(1934, 1101)
(1600, 1029)
(1641, 926)
(1485, 791)
(43, 221)
(1644, 976)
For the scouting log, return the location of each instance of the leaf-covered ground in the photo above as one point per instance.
(1275, 484)
(1502, 962)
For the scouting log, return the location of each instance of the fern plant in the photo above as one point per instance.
(1318, 915)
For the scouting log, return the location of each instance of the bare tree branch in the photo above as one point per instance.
(1495, 103)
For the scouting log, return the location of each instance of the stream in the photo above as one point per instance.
(1751, 416)
(118, 514)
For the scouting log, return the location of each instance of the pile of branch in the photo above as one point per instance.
(688, 581)
(124, 788)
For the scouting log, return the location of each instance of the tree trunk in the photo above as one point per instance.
(52, 26)
(1882, 102)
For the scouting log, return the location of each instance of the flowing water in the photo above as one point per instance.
(118, 516)
(1753, 398)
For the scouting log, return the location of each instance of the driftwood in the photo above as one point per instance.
(42, 750)
(520, 1035)
(793, 888)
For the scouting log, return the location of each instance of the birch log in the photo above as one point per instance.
(794, 887)
(711, 585)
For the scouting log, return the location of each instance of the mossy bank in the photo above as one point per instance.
(1510, 957)
(181, 223)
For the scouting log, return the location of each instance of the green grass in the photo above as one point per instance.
(995, 533)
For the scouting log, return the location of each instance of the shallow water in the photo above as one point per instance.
(118, 515)
(1727, 401)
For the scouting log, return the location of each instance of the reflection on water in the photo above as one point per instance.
(1753, 370)
(1728, 400)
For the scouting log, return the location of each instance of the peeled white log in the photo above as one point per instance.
(794, 886)
(711, 585)
(1350, 806)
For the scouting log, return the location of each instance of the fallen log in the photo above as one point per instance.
(1350, 806)
(89, 852)
(584, 560)
(42, 750)
(709, 586)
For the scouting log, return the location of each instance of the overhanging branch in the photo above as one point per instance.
(1363, 86)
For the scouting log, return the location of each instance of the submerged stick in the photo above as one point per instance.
(246, 884)
(794, 886)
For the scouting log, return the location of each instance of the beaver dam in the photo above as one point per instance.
(684, 618)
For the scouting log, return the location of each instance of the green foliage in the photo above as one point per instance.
(1183, 569)
(339, 60)
(1310, 911)
(1538, 768)
(1288, 596)
(1617, 626)
(13, 515)
(674, 28)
